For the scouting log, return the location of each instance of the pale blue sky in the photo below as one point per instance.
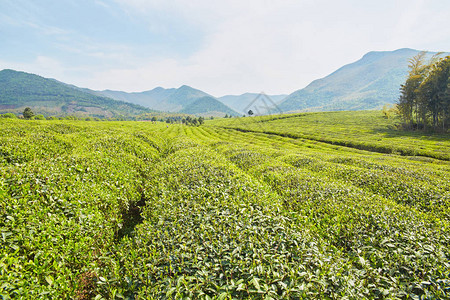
(221, 47)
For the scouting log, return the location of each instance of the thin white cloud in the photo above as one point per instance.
(42, 65)
(42, 28)
(101, 3)
(275, 46)
(271, 46)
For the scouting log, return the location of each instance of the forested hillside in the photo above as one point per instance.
(184, 99)
(50, 97)
(368, 83)
(208, 106)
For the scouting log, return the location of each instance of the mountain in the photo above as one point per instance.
(51, 97)
(241, 103)
(150, 99)
(207, 106)
(182, 99)
(368, 83)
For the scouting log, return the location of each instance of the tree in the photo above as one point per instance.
(201, 120)
(424, 98)
(28, 113)
(408, 102)
(388, 110)
(434, 92)
(250, 112)
(154, 119)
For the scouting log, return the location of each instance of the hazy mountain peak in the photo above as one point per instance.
(156, 89)
(186, 87)
(183, 99)
(368, 83)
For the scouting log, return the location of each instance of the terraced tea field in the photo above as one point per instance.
(366, 130)
(228, 210)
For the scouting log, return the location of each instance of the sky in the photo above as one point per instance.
(220, 47)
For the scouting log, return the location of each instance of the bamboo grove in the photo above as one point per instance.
(424, 101)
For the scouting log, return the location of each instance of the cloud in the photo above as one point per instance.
(249, 46)
(281, 46)
(42, 65)
(232, 47)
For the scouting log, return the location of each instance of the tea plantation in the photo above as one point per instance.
(277, 207)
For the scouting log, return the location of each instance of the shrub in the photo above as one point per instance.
(9, 116)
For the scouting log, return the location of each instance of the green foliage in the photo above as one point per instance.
(365, 130)
(19, 90)
(9, 116)
(206, 106)
(425, 95)
(28, 113)
(160, 116)
(184, 100)
(124, 210)
(389, 110)
(193, 121)
(368, 83)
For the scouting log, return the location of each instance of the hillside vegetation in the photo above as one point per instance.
(50, 97)
(184, 99)
(114, 210)
(366, 130)
(368, 83)
(208, 106)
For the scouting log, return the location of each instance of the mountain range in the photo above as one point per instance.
(184, 99)
(368, 83)
(51, 97)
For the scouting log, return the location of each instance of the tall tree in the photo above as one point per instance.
(406, 100)
(434, 92)
(424, 97)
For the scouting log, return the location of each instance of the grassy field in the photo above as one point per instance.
(258, 208)
(367, 130)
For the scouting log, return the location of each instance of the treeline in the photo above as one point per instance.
(186, 121)
(68, 117)
(424, 101)
(28, 114)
